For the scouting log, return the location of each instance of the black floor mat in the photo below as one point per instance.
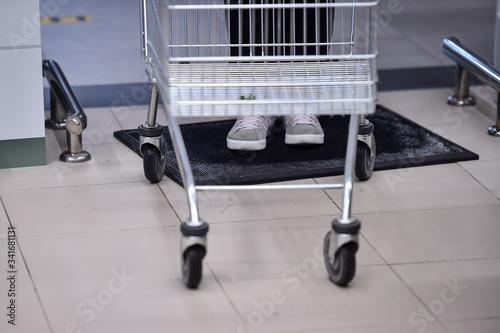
(400, 143)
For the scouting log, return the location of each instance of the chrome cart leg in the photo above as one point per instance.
(152, 144)
(341, 243)
(366, 150)
(194, 230)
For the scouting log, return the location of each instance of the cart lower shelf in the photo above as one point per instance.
(199, 89)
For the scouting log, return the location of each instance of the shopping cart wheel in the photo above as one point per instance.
(192, 266)
(365, 153)
(153, 163)
(341, 271)
(153, 149)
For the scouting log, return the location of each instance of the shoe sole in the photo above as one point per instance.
(304, 139)
(246, 145)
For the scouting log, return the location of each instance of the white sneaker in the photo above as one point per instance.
(250, 133)
(303, 129)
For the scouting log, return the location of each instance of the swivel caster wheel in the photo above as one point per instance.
(342, 268)
(153, 149)
(365, 153)
(153, 163)
(192, 266)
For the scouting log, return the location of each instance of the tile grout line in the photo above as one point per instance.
(28, 270)
(226, 294)
(115, 117)
(390, 266)
(480, 183)
(169, 203)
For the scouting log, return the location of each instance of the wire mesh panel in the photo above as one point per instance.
(234, 57)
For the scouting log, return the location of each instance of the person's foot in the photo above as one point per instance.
(250, 133)
(303, 129)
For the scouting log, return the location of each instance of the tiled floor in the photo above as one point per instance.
(98, 246)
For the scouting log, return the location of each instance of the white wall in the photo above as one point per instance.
(21, 80)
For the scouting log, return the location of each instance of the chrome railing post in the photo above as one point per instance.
(75, 152)
(461, 96)
(65, 113)
(495, 129)
(468, 62)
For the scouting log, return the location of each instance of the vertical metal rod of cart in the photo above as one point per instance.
(297, 56)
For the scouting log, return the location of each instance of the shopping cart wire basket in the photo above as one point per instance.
(213, 58)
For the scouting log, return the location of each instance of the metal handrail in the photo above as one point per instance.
(65, 113)
(469, 62)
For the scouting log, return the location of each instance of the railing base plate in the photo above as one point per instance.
(68, 157)
(494, 131)
(457, 101)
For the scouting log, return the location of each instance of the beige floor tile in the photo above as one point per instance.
(252, 205)
(277, 244)
(429, 187)
(88, 208)
(485, 172)
(25, 313)
(123, 281)
(296, 300)
(110, 163)
(428, 107)
(480, 325)
(4, 222)
(101, 125)
(454, 290)
(394, 328)
(434, 235)
(425, 106)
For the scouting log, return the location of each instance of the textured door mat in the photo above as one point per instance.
(400, 143)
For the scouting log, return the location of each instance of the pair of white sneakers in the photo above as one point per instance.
(250, 132)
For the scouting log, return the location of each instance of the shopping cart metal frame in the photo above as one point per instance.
(341, 242)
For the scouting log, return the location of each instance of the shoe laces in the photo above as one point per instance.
(250, 122)
(303, 119)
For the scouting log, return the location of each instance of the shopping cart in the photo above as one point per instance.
(208, 58)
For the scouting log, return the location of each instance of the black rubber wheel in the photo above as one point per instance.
(192, 266)
(153, 163)
(365, 160)
(342, 270)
